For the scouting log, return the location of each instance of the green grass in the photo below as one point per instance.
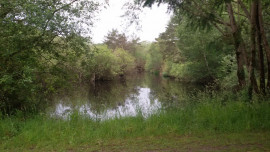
(210, 125)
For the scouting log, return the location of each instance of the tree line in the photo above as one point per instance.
(44, 48)
(242, 24)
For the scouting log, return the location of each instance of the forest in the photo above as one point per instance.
(207, 78)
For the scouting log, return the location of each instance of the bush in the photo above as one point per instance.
(104, 64)
(154, 59)
(125, 61)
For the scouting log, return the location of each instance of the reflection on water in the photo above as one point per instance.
(141, 103)
(140, 94)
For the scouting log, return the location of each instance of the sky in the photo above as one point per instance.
(153, 21)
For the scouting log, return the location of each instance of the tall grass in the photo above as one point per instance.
(206, 115)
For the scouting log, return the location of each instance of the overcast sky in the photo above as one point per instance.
(153, 22)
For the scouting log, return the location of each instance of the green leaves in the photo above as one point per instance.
(40, 43)
(125, 61)
(106, 63)
(154, 59)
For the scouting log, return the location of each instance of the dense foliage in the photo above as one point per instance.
(106, 63)
(220, 30)
(43, 49)
(190, 55)
(40, 43)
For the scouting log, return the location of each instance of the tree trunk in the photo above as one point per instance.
(265, 43)
(260, 52)
(238, 44)
(253, 83)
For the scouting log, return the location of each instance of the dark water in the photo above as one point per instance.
(143, 94)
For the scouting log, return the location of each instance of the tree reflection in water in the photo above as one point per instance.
(143, 94)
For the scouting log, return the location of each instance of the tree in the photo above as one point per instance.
(154, 59)
(116, 40)
(190, 54)
(232, 18)
(207, 14)
(32, 35)
(168, 42)
(125, 61)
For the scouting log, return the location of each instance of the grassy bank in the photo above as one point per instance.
(222, 124)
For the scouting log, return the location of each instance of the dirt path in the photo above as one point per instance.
(230, 142)
(249, 142)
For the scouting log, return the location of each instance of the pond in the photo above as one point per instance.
(143, 94)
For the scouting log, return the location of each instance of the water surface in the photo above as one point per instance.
(143, 94)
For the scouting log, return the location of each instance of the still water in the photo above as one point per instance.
(143, 94)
